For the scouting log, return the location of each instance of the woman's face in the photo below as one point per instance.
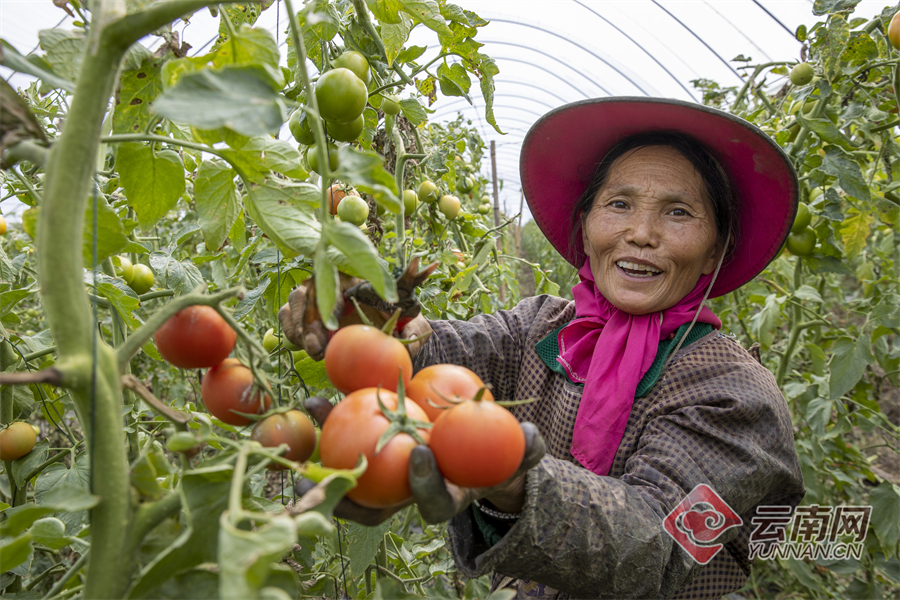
(651, 231)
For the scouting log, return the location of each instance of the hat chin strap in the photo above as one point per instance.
(702, 302)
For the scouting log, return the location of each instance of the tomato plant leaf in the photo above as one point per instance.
(386, 11)
(257, 155)
(413, 111)
(204, 494)
(357, 247)
(180, 276)
(885, 501)
(365, 170)
(860, 48)
(826, 130)
(217, 201)
(57, 483)
(15, 552)
(487, 69)
(454, 80)
(312, 372)
(293, 230)
(153, 184)
(411, 53)
(64, 49)
(250, 299)
(818, 414)
(121, 297)
(849, 360)
(111, 236)
(137, 89)
(242, 98)
(766, 322)
(834, 40)
(823, 7)
(246, 557)
(807, 292)
(327, 286)
(362, 544)
(838, 163)
(12, 59)
(428, 13)
(249, 46)
(50, 532)
(394, 35)
(855, 232)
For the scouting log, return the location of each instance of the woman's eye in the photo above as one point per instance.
(680, 212)
(618, 204)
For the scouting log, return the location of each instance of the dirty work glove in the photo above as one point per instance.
(438, 499)
(302, 324)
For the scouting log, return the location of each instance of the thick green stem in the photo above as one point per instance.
(796, 328)
(399, 167)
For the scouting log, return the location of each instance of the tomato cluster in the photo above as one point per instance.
(801, 241)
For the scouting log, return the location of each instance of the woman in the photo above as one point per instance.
(660, 204)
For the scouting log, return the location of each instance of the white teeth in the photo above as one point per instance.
(650, 271)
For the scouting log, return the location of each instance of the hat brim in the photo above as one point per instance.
(562, 149)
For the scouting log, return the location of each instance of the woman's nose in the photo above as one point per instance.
(643, 228)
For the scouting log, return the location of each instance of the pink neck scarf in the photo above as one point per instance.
(610, 351)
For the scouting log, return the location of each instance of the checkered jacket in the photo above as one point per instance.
(715, 416)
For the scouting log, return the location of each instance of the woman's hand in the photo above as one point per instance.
(302, 323)
(438, 499)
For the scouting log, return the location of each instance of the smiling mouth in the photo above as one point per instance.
(636, 270)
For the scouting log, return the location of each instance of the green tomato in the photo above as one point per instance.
(354, 61)
(298, 355)
(270, 341)
(802, 220)
(428, 192)
(802, 74)
(410, 201)
(341, 95)
(299, 126)
(391, 104)
(449, 206)
(484, 209)
(312, 158)
(124, 268)
(802, 243)
(353, 209)
(143, 279)
(345, 132)
(465, 184)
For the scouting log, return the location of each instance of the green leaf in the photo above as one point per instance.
(838, 163)
(849, 360)
(807, 292)
(257, 155)
(9, 299)
(818, 414)
(250, 299)
(357, 247)
(487, 69)
(766, 322)
(826, 130)
(64, 49)
(395, 35)
(410, 53)
(153, 184)
(413, 111)
(23, 466)
(50, 532)
(386, 11)
(111, 236)
(294, 230)
(835, 39)
(249, 46)
(428, 13)
(327, 286)
(860, 48)
(64, 499)
(204, 494)
(824, 7)
(362, 544)
(454, 80)
(218, 205)
(246, 557)
(15, 61)
(120, 296)
(15, 552)
(137, 89)
(312, 372)
(244, 99)
(365, 170)
(885, 501)
(855, 232)
(180, 276)
(827, 264)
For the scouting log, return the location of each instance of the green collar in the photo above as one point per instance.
(548, 349)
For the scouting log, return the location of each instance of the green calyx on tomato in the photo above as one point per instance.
(299, 126)
(449, 206)
(354, 61)
(803, 218)
(341, 95)
(312, 158)
(802, 74)
(123, 268)
(353, 209)
(142, 280)
(16, 441)
(345, 132)
(391, 104)
(410, 201)
(428, 192)
(801, 243)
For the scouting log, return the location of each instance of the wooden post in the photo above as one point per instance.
(497, 212)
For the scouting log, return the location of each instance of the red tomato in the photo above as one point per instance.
(477, 444)
(229, 386)
(451, 381)
(197, 337)
(359, 356)
(292, 428)
(353, 428)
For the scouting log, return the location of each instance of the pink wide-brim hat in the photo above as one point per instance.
(562, 149)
